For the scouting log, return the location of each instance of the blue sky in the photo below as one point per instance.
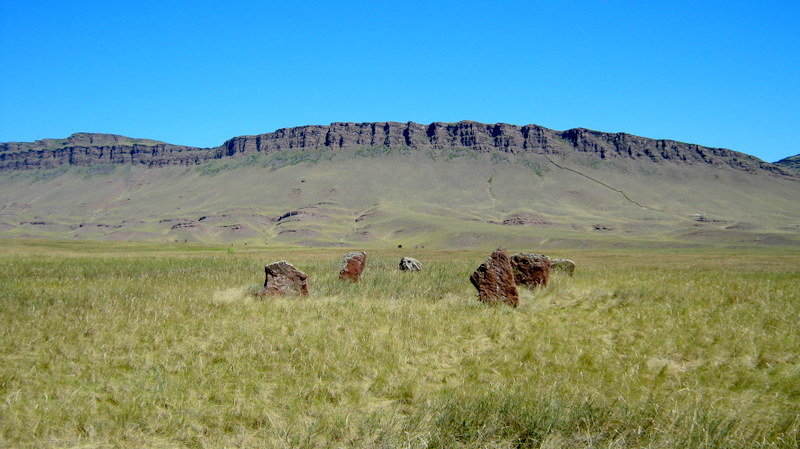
(721, 74)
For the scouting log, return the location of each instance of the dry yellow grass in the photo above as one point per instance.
(110, 345)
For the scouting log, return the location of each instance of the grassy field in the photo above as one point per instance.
(145, 345)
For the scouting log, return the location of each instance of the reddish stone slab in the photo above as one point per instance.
(284, 279)
(531, 270)
(494, 280)
(353, 265)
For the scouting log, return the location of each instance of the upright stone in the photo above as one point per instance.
(410, 264)
(284, 279)
(564, 265)
(531, 270)
(353, 265)
(494, 280)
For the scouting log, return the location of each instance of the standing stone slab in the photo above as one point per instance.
(564, 265)
(353, 265)
(531, 270)
(284, 279)
(410, 264)
(494, 280)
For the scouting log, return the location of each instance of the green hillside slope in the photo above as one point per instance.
(374, 197)
(791, 164)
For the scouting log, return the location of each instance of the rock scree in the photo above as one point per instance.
(494, 280)
(353, 264)
(565, 265)
(284, 279)
(531, 270)
(410, 264)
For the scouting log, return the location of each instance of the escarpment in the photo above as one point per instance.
(84, 149)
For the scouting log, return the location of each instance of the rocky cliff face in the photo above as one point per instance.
(90, 149)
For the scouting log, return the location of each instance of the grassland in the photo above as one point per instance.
(144, 345)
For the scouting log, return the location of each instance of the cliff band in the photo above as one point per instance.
(84, 149)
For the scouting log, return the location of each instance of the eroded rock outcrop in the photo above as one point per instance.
(523, 219)
(494, 280)
(410, 264)
(353, 264)
(531, 270)
(565, 265)
(284, 279)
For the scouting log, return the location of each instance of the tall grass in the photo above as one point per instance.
(141, 346)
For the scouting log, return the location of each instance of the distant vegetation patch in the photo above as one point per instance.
(96, 170)
(46, 174)
(538, 167)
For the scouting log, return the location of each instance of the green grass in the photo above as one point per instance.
(145, 345)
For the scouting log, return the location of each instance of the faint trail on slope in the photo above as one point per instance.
(602, 184)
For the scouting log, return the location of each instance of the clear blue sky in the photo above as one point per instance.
(197, 73)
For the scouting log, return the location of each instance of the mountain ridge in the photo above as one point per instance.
(791, 163)
(86, 149)
(463, 185)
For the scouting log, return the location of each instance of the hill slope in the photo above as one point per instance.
(444, 185)
(790, 164)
